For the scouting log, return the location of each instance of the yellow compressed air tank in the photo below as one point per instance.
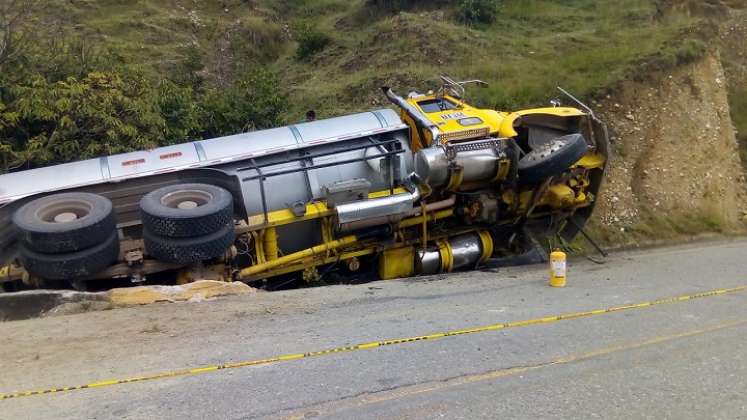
(557, 268)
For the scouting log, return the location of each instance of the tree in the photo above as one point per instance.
(7, 119)
(15, 28)
(76, 119)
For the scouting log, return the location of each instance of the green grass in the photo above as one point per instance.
(585, 46)
(534, 46)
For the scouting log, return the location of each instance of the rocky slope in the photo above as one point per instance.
(675, 168)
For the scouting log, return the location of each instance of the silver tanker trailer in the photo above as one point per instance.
(437, 186)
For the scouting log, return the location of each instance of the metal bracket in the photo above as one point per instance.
(456, 176)
(577, 101)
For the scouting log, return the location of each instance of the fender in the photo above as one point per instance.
(510, 121)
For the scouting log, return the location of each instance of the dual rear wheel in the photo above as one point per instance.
(73, 236)
(187, 223)
(67, 236)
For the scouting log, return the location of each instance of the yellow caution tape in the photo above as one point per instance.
(375, 344)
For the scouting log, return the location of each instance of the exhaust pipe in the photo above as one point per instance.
(421, 121)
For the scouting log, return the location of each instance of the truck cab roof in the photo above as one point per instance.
(456, 119)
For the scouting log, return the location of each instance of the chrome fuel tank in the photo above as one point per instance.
(478, 161)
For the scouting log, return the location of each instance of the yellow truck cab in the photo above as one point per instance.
(455, 119)
(550, 160)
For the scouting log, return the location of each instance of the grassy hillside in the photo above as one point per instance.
(85, 78)
(533, 45)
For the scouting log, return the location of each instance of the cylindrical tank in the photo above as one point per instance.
(326, 142)
(230, 161)
(458, 252)
(432, 165)
(335, 150)
(557, 268)
(428, 262)
(466, 250)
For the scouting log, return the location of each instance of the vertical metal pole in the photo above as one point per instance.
(262, 191)
(425, 224)
(390, 173)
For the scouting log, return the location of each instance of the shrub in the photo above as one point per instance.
(188, 71)
(82, 118)
(396, 6)
(254, 102)
(180, 111)
(690, 50)
(310, 42)
(477, 11)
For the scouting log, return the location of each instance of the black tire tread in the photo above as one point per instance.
(72, 265)
(535, 166)
(189, 250)
(80, 236)
(186, 226)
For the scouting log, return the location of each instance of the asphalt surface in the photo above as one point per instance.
(685, 360)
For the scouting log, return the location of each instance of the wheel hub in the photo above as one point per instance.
(186, 199)
(65, 217)
(186, 205)
(64, 211)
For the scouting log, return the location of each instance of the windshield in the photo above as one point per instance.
(436, 105)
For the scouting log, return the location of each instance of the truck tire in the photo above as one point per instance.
(189, 250)
(63, 223)
(71, 265)
(552, 158)
(186, 210)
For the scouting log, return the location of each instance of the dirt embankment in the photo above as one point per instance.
(734, 55)
(675, 169)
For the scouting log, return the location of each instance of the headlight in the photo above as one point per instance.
(466, 122)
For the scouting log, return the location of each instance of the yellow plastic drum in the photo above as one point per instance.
(557, 268)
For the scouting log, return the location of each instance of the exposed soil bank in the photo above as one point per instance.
(675, 168)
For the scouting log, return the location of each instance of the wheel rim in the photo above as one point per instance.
(549, 149)
(64, 211)
(186, 199)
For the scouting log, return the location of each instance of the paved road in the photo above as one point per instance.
(681, 360)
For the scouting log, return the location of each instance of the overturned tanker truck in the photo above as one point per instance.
(437, 186)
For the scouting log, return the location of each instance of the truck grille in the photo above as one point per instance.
(465, 134)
